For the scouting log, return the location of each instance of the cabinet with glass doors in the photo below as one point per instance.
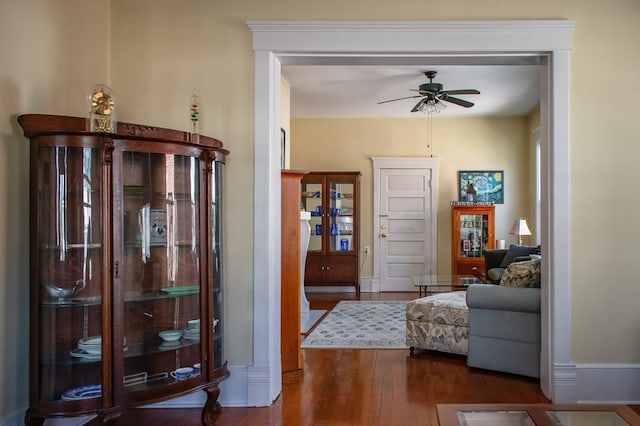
(333, 198)
(126, 282)
(472, 234)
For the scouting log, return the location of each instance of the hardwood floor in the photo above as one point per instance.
(364, 387)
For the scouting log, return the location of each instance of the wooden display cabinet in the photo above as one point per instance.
(472, 233)
(333, 198)
(124, 243)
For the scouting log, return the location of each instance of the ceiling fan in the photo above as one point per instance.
(433, 95)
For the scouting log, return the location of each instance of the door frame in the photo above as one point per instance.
(377, 42)
(380, 163)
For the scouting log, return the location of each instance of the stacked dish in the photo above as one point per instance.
(88, 348)
(192, 332)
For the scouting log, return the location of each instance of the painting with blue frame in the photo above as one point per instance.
(488, 186)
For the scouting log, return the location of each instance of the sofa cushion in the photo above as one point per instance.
(495, 274)
(516, 251)
(522, 274)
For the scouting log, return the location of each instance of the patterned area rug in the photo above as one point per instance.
(361, 325)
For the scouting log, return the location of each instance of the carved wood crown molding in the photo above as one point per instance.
(137, 129)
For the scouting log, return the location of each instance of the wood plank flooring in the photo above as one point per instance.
(364, 387)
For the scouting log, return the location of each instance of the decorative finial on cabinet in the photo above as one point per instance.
(195, 117)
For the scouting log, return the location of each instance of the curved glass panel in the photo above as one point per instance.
(216, 215)
(69, 272)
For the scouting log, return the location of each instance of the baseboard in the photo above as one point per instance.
(365, 287)
(597, 384)
(329, 289)
(233, 393)
(15, 419)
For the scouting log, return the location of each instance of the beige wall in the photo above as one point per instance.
(51, 53)
(459, 144)
(163, 49)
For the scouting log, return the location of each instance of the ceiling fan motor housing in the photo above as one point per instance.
(431, 87)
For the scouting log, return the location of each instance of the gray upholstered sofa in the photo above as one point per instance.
(504, 328)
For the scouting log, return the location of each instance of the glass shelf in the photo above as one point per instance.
(133, 351)
(97, 300)
(72, 246)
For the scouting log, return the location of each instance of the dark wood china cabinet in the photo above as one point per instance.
(333, 198)
(126, 302)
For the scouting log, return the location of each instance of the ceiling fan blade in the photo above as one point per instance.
(419, 105)
(458, 101)
(399, 99)
(463, 92)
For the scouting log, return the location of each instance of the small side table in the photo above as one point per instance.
(429, 284)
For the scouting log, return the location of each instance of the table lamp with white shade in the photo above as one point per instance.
(520, 228)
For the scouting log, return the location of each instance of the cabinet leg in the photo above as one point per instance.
(30, 419)
(212, 408)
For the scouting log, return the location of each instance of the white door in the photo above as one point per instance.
(405, 221)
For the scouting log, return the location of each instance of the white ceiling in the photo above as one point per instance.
(337, 91)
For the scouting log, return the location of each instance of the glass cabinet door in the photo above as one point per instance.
(216, 227)
(161, 271)
(312, 195)
(68, 261)
(474, 235)
(340, 215)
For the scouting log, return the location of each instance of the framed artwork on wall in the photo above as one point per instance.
(483, 186)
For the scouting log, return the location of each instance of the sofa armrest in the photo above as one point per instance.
(493, 258)
(500, 298)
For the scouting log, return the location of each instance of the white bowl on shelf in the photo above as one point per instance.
(170, 335)
(91, 345)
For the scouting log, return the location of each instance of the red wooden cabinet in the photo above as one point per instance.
(472, 233)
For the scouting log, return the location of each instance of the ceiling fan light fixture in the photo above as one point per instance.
(432, 106)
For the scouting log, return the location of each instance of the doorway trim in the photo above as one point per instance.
(277, 42)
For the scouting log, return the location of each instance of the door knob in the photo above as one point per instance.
(383, 235)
